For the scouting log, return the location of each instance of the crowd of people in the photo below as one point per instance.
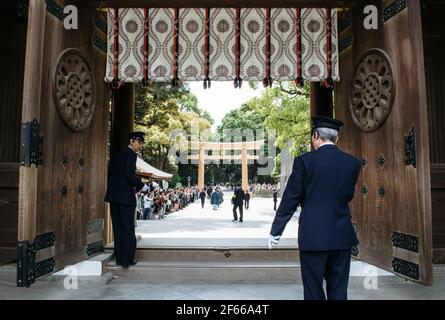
(214, 194)
(155, 204)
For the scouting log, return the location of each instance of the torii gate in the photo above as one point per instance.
(220, 148)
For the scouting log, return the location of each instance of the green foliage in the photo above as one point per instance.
(242, 118)
(175, 180)
(285, 109)
(161, 110)
(277, 169)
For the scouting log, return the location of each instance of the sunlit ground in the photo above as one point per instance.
(198, 227)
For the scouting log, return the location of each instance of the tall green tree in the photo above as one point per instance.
(161, 110)
(285, 109)
(241, 118)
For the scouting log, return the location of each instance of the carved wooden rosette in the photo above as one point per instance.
(372, 91)
(74, 90)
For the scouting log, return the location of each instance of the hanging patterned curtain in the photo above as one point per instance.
(222, 44)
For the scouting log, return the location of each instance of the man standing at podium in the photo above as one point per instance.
(322, 183)
(122, 187)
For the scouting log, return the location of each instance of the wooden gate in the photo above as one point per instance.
(382, 98)
(64, 140)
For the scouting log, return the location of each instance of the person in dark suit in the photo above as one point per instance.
(238, 203)
(322, 182)
(202, 196)
(209, 192)
(246, 200)
(122, 186)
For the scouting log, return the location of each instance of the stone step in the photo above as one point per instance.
(226, 265)
(210, 272)
(73, 282)
(92, 271)
(235, 272)
(8, 273)
(212, 265)
(217, 255)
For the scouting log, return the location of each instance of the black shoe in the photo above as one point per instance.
(130, 264)
(240, 220)
(234, 220)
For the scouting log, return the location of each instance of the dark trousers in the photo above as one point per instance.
(146, 215)
(275, 205)
(124, 233)
(240, 206)
(246, 204)
(202, 202)
(333, 266)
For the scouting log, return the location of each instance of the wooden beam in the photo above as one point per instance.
(225, 3)
(32, 88)
(244, 171)
(122, 117)
(201, 170)
(321, 100)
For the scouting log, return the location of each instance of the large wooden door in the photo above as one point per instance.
(382, 99)
(66, 102)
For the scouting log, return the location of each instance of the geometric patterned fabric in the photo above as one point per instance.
(222, 44)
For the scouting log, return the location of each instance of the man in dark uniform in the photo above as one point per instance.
(246, 200)
(238, 203)
(209, 191)
(122, 186)
(323, 183)
(202, 195)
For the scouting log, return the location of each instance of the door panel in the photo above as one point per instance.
(71, 180)
(74, 174)
(381, 98)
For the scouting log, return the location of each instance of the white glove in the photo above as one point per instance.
(273, 240)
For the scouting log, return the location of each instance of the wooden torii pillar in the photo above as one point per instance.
(201, 169)
(244, 173)
(220, 149)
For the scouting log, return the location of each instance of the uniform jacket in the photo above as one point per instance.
(323, 183)
(123, 182)
(239, 196)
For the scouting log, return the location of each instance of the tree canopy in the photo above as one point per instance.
(285, 109)
(161, 111)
